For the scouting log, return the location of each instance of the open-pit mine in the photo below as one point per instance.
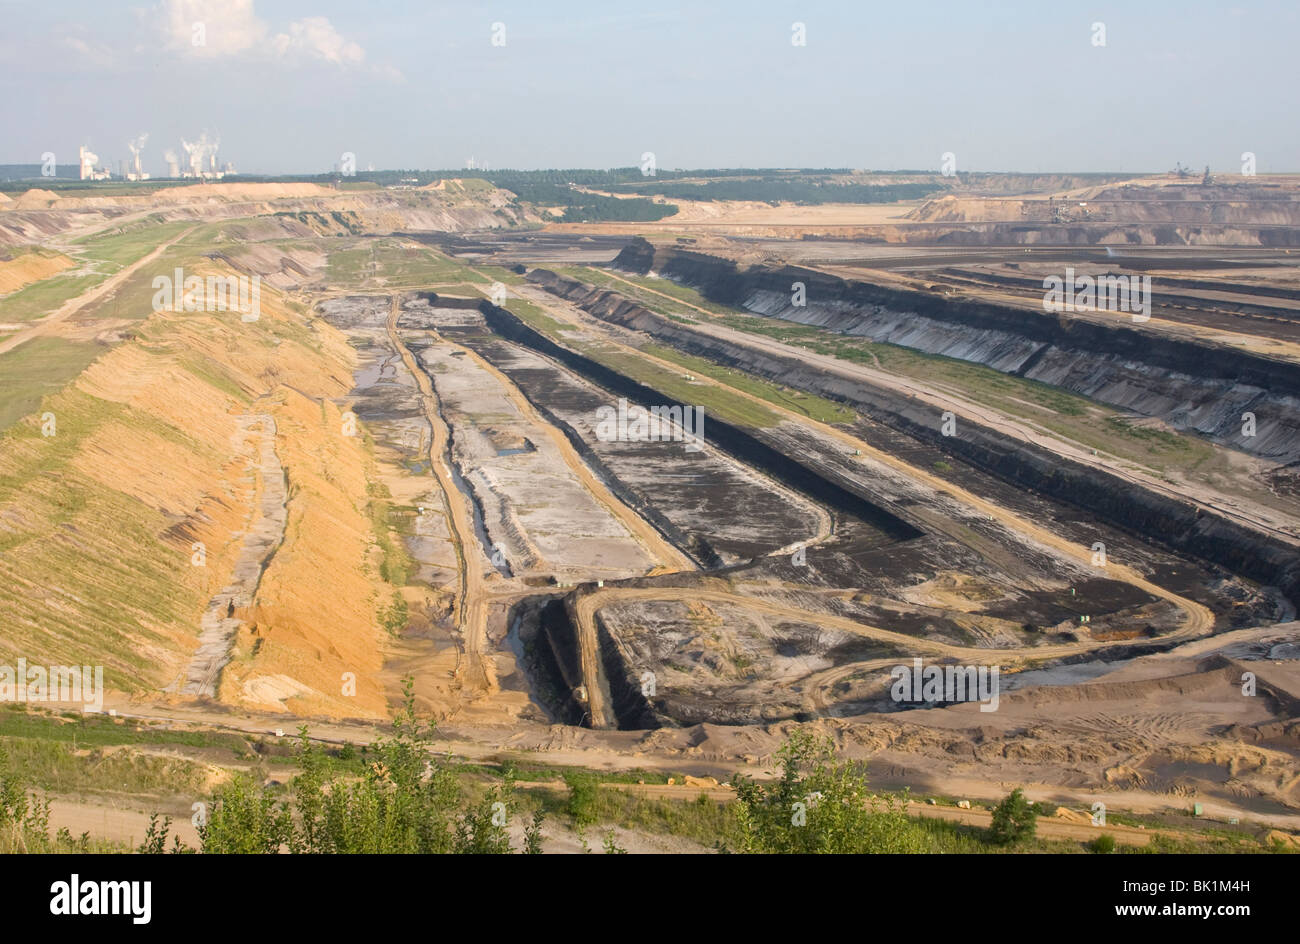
(645, 498)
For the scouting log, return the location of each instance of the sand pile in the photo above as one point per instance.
(36, 199)
(29, 267)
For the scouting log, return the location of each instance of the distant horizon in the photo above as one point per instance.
(288, 88)
(448, 172)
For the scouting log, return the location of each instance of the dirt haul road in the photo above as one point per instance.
(74, 305)
(479, 672)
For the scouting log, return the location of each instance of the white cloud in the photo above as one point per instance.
(211, 28)
(315, 37)
(88, 52)
(231, 28)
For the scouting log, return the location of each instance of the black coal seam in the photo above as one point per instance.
(730, 439)
(1178, 526)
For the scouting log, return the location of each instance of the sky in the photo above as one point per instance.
(289, 87)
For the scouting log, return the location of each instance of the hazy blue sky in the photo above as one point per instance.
(289, 86)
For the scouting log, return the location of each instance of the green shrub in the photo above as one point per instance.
(245, 819)
(583, 800)
(402, 803)
(1014, 820)
(24, 820)
(1103, 844)
(821, 806)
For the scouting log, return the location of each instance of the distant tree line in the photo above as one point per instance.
(785, 190)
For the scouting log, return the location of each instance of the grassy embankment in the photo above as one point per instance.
(151, 766)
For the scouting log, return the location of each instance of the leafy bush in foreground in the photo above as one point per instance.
(1103, 844)
(821, 806)
(403, 803)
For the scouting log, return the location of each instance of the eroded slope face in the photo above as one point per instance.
(184, 481)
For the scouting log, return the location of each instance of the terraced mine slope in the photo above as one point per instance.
(403, 466)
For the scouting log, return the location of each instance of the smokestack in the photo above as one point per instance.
(136, 147)
(88, 162)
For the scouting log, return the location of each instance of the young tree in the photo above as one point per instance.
(245, 819)
(1014, 820)
(403, 803)
(583, 789)
(482, 829)
(533, 834)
